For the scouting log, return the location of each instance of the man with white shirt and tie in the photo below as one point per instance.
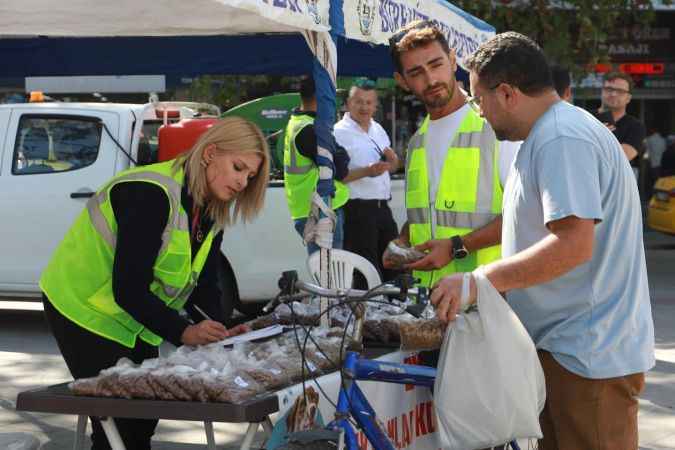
(369, 224)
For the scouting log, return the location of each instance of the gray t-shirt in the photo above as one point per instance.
(596, 320)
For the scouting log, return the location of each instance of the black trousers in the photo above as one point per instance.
(86, 354)
(369, 227)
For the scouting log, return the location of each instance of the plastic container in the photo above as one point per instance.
(176, 138)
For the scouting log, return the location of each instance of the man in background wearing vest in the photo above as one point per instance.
(455, 167)
(301, 172)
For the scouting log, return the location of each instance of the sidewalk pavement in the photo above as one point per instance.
(657, 403)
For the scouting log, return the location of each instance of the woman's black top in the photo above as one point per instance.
(142, 211)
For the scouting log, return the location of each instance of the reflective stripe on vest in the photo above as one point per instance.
(468, 197)
(301, 174)
(89, 248)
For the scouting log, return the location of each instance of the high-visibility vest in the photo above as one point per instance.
(301, 175)
(469, 194)
(78, 278)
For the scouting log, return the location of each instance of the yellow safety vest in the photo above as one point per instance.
(469, 194)
(78, 278)
(301, 175)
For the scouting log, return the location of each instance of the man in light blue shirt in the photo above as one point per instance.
(573, 260)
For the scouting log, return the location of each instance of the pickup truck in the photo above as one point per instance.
(54, 156)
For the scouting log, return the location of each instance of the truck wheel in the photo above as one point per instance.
(229, 298)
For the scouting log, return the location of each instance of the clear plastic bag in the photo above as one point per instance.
(235, 387)
(264, 321)
(85, 386)
(398, 255)
(421, 334)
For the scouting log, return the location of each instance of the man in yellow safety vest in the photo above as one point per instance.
(301, 172)
(455, 166)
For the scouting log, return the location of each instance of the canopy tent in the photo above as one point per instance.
(322, 24)
(144, 50)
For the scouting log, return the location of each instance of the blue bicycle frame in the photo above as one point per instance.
(352, 402)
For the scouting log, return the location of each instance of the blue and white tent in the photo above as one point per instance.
(252, 24)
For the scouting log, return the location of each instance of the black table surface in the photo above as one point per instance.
(59, 399)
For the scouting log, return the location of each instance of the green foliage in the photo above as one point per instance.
(573, 33)
(228, 91)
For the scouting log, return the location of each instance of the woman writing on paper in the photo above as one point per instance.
(146, 246)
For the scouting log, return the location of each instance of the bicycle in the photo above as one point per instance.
(352, 403)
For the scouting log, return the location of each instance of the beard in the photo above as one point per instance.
(501, 134)
(507, 131)
(439, 100)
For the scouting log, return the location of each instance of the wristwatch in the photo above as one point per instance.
(459, 251)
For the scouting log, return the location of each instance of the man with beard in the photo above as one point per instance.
(455, 167)
(573, 261)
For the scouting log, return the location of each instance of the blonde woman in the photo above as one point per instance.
(146, 246)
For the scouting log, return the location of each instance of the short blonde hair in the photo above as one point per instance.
(231, 134)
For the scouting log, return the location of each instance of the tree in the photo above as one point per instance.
(573, 33)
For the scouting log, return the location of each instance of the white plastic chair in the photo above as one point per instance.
(342, 268)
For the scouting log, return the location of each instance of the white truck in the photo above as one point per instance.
(54, 156)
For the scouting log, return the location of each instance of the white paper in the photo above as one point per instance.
(272, 330)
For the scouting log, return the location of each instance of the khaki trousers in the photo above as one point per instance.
(588, 414)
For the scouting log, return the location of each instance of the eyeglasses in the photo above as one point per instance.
(474, 103)
(474, 100)
(396, 37)
(613, 90)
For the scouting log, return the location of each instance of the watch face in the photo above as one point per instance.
(458, 249)
(460, 253)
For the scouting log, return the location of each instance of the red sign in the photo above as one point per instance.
(637, 68)
(642, 68)
(603, 68)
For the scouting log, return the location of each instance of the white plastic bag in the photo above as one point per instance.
(490, 385)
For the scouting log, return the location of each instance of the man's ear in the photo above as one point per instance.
(452, 56)
(401, 82)
(509, 95)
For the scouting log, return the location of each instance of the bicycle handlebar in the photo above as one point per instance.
(386, 289)
(290, 291)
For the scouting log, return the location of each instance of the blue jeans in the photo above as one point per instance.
(338, 234)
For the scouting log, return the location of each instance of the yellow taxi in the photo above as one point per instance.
(661, 212)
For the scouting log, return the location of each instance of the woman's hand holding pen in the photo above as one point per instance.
(208, 331)
(204, 332)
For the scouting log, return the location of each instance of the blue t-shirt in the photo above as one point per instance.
(596, 320)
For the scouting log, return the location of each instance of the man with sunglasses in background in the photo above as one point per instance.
(455, 166)
(369, 223)
(616, 95)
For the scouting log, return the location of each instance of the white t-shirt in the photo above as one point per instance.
(438, 137)
(656, 145)
(364, 150)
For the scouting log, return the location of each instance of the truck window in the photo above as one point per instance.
(55, 144)
(149, 142)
